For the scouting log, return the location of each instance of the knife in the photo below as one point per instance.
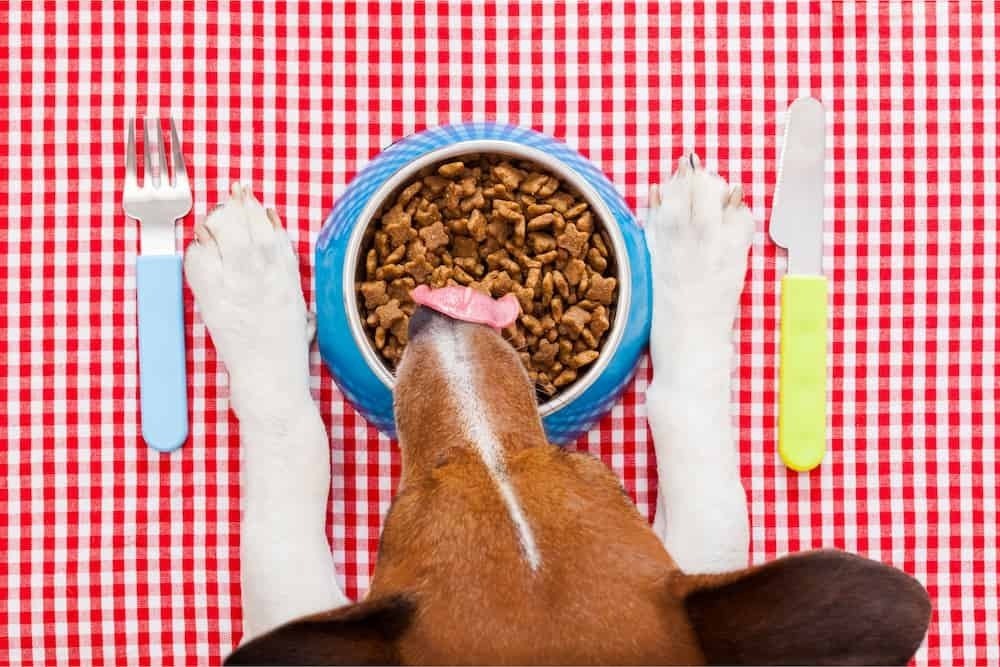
(797, 226)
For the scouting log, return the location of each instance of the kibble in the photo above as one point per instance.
(501, 227)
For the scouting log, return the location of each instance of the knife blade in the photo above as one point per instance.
(797, 225)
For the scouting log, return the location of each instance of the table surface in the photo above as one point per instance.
(117, 554)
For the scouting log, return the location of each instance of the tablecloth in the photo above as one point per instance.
(116, 554)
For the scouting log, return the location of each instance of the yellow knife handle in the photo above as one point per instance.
(802, 373)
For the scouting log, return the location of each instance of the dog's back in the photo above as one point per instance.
(598, 594)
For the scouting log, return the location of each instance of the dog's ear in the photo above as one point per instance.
(365, 633)
(819, 608)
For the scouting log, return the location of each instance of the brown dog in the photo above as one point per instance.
(499, 548)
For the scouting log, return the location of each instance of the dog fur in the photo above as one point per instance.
(500, 548)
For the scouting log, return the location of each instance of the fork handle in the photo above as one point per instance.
(162, 381)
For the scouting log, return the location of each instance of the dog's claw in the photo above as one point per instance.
(654, 196)
(202, 234)
(687, 163)
(735, 196)
(272, 215)
(240, 192)
(310, 325)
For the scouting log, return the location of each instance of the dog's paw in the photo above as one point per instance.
(245, 279)
(698, 234)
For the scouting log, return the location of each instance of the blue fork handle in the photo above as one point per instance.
(162, 381)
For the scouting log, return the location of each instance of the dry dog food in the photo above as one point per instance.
(499, 226)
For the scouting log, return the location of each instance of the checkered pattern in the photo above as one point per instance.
(116, 554)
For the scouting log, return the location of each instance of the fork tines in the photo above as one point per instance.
(154, 177)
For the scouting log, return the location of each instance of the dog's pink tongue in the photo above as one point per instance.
(465, 303)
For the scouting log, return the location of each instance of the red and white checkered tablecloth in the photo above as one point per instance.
(115, 554)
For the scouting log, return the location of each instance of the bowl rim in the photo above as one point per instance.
(553, 165)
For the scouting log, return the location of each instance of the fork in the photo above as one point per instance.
(157, 204)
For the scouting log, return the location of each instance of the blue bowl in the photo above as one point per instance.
(344, 346)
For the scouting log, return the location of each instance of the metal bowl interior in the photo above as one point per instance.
(386, 193)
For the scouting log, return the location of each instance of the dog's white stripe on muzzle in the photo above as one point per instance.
(472, 413)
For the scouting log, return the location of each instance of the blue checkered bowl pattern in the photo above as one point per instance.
(338, 348)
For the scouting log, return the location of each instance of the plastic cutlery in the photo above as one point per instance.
(157, 204)
(797, 225)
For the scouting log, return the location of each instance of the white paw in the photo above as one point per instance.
(245, 279)
(698, 234)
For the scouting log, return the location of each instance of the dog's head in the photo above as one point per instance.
(457, 382)
(462, 396)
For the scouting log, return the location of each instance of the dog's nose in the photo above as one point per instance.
(422, 319)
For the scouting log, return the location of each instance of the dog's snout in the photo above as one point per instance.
(422, 319)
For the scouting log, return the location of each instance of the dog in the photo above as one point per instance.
(499, 547)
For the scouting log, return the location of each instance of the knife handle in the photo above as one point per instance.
(162, 381)
(802, 374)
